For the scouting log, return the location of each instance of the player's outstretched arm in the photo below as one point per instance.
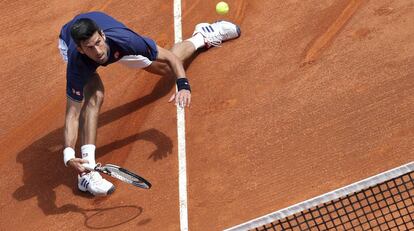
(183, 96)
(73, 110)
(172, 60)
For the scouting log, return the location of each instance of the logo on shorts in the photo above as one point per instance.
(75, 92)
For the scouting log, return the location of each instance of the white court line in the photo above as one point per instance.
(182, 171)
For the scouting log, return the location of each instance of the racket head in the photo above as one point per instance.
(124, 175)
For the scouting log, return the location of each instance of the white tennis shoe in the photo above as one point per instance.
(216, 33)
(94, 183)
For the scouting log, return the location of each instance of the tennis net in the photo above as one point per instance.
(381, 202)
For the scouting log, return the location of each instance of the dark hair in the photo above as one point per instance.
(82, 29)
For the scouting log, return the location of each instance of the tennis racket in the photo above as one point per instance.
(121, 174)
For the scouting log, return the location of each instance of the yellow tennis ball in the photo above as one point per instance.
(222, 8)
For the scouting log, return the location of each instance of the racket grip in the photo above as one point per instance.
(89, 167)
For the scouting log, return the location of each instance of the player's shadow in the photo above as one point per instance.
(106, 218)
(43, 169)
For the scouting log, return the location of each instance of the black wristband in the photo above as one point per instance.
(182, 83)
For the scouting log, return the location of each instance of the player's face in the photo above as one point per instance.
(95, 48)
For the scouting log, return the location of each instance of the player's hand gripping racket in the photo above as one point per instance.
(121, 174)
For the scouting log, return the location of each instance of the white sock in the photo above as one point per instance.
(88, 153)
(197, 40)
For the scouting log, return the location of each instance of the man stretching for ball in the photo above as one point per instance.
(95, 39)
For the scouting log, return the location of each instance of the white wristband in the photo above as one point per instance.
(68, 154)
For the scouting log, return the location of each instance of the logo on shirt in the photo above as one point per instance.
(116, 55)
(75, 92)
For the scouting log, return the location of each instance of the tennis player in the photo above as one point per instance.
(96, 39)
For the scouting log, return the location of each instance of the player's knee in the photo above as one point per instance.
(177, 49)
(166, 71)
(96, 100)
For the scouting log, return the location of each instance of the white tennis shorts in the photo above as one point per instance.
(132, 61)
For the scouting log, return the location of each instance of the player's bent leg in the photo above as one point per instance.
(93, 99)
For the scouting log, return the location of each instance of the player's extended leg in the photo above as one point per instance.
(183, 50)
(205, 35)
(93, 100)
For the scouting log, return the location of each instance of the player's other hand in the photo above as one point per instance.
(181, 98)
(78, 164)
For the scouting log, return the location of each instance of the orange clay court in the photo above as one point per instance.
(313, 96)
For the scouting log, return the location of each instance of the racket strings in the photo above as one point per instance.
(117, 173)
(123, 177)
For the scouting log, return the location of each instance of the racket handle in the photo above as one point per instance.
(89, 167)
